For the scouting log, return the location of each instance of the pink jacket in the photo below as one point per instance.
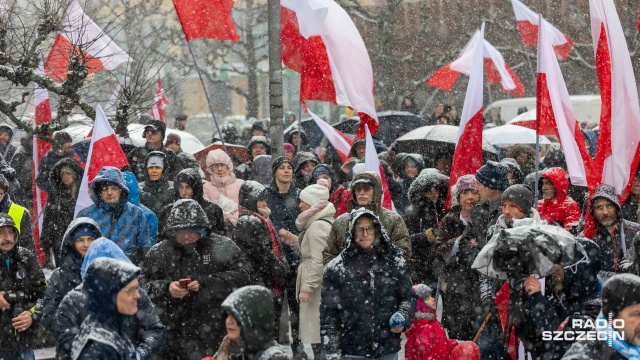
(226, 185)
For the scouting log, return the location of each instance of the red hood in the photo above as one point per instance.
(558, 178)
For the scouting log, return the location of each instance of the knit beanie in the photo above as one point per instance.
(314, 193)
(86, 230)
(155, 161)
(493, 175)
(279, 161)
(465, 182)
(618, 292)
(604, 191)
(290, 147)
(519, 194)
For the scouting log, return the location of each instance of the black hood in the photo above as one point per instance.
(192, 178)
(303, 135)
(258, 140)
(54, 175)
(385, 246)
(186, 213)
(68, 250)
(415, 158)
(554, 157)
(303, 157)
(7, 171)
(250, 193)
(604, 191)
(428, 178)
(252, 308)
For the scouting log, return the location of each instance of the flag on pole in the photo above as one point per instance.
(372, 164)
(321, 42)
(82, 37)
(160, 102)
(340, 142)
(210, 19)
(104, 151)
(555, 112)
(467, 158)
(498, 71)
(528, 25)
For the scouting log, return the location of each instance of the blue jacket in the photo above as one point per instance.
(134, 198)
(124, 223)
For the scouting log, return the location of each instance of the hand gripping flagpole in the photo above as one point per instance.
(206, 94)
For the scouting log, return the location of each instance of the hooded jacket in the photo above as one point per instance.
(561, 209)
(124, 223)
(300, 160)
(134, 198)
(138, 163)
(26, 234)
(392, 222)
(214, 213)
(46, 165)
(159, 193)
(357, 322)
(252, 308)
(339, 196)
(227, 185)
(22, 162)
(144, 329)
(422, 213)
(67, 276)
(194, 322)
(58, 212)
(15, 190)
(303, 136)
(245, 171)
(402, 201)
(20, 272)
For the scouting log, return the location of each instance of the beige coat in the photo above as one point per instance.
(311, 242)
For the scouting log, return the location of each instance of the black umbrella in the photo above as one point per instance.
(314, 134)
(393, 124)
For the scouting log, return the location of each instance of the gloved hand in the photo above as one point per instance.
(397, 320)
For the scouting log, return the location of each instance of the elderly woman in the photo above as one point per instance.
(223, 187)
(315, 221)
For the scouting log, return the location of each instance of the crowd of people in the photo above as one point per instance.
(172, 262)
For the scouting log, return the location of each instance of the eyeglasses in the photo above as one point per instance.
(131, 291)
(363, 188)
(361, 230)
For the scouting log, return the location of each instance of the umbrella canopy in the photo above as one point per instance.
(314, 134)
(507, 135)
(526, 119)
(433, 140)
(529, 248)
(393, 124)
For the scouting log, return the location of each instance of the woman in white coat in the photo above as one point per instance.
(315, 221)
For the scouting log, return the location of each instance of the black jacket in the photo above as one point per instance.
(245, 171)
(46, 165)
(58, 212)
(15, 190)
(137, 162)
(195, 322)
(354, 312)
(402, 200)
(156, 194)
(284, 212)
(22, 162)
(592, 349)
(213, 211)
(483, 216)
(302, 158)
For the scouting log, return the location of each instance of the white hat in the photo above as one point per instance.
(314, 193)
(155, 161)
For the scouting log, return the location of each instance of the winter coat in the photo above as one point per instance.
(252, 307)
(254, 239)
(448, 231)
(195, 322)
(311, 242)
(213, 211)
(22, 162)
(102, 334)
(284, 212)
(15, 190)
(186, 160)
(561, 209)
(46, 165)
(426, 339)
(483, 216)
(124, 223)
(302, 158)
(609, 257)
(592, 349)
(392, 222)
(630, 208)
(138, 164)
(227, 185)
(58, 212)
(403, 201)
(144, 329)
(245, 171)
(134, 198)
(20, 272)
(302, 135)
(7, 151)
(360, 292)
(155, 195)
(67, 276)
(25, 239)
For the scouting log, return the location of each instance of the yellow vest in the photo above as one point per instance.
(17, 212)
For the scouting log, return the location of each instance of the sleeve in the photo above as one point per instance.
(94, 350)
(46, 241)
(153, 333)
(153, 279)
(544, 314)
(316, 235)
(407, 297)
(330, 315)
(52, 299)
(218, 225)
(221, 283)
(37, 285)
(42, 180)
(67, 325)
(630, 261)
(486, 288)
(400, 237)
(572, 215)
(334, 246)
(145, 241)
(26, 233)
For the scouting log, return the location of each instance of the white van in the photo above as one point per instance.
(586, 107)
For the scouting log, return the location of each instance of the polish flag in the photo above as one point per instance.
(210, 19)
(467, 158)
(555, 112)
(498, 71)
(528, 25)
(321, 42)
(104, 151)
(372, 164)
(83, 37)
(340, 142)
(160, 102)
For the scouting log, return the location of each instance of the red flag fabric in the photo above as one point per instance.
(210, 19)
(160, 102)
(321, 42)
(502, 305)
(528, 25)
(83, 37)
(104, 151)
(467, 158)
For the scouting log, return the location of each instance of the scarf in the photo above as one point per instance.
(629, 351)
(222, 181)
(306, 215)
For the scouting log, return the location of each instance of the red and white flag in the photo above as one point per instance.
(83, 37)
(321, 42)
(619, 138)
(372, 164)
(555, 112)
(210, 19)
(467, 158)
(340, 142)
(160, 102)
(528, 25)
(104, 151)
(498, 71)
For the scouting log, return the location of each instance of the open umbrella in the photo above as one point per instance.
(433, 140)
(526, 119)
(393, 124)
(507, 135)
(529, 248)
